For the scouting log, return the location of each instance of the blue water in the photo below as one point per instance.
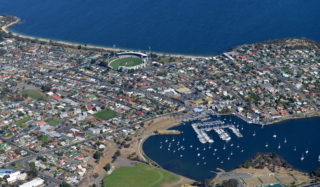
(302, 133)
(200, 27)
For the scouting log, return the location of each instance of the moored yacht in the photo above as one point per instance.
(302, 157)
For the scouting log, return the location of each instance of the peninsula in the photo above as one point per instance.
(70, 117)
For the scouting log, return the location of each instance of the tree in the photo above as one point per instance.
(108, 167)
(33, 172)
(32, 164)
(206, 182)
(97, 155)
(229, 183)
(274, 155)
(65, 184)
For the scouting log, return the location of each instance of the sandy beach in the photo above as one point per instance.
(5, 29)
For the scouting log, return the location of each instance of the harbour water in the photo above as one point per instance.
(198, 27)
(302, 133)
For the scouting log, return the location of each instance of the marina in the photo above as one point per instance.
(218, 126)
(199, 158)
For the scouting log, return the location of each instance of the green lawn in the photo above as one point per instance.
(19, 123)
(164, 60)
(17, 166)
(44, 138)
(53, 122)
(141, 175)
(105, 114)
(34, 94)
(125, 62)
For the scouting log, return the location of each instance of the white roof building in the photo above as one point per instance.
(34, 183)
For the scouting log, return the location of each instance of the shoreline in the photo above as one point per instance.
(75, 44)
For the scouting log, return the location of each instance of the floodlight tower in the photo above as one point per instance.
(149, 53)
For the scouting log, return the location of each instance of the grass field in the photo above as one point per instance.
(105, 114)
(125, 62)
(141, 175)
(17, 166)
(34, 94)
(19, 123)
(44, 138)
(53, 122)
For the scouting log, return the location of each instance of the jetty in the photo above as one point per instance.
(218, 126)
(171, 132)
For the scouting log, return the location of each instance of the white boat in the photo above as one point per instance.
(267, 144)
(231, 144)
(166, 139)
(205, 163)
(238, 145)
(285, 140)
(221, 162)
(198, 154)
(242, 127)
(228, 158)
(160, 147)
(209, 147)
(231, 153)
(174, 150)
(319, 158)
(190, 146)
(218, 158)
(183, 139)
(214, 153)
(180, 155)
(302, 157)
(197, 148)
(197, 163)
(168, 149)
(254, 133)
(204, 149)
(274, 135)
(173, 139)
(202, 158)
(242, 151)
(279, 146)
(224, 146)
(215, 149)
(307, 151)
(295, 148)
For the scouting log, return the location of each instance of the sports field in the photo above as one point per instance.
(141, 175)
(19, 123)
(125, 62)
(105, 114)
(34, 94)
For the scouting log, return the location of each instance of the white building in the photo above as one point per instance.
(34, 183)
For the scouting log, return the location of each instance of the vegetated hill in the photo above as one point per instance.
(293, 43)
(262, 160)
